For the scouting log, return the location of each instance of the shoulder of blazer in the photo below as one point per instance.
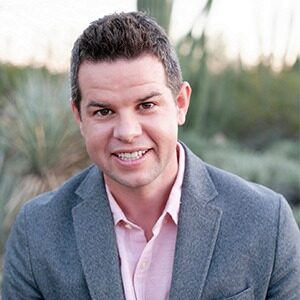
(234, 194)
(64, 197)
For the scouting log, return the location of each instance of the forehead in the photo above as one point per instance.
(144, 70)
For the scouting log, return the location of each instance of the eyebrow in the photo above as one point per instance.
(100, 104)
(94, 103)
(153, 94)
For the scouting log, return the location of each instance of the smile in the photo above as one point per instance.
(131, 155)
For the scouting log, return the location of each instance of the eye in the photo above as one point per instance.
(146, 105)
(103, 112)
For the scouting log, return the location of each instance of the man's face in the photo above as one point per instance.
(129, 120)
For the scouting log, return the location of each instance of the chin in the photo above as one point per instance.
(133, 183)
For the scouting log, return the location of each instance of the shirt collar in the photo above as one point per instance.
(116, 210)
(173, 203)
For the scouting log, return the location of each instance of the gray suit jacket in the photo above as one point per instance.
(236, 240)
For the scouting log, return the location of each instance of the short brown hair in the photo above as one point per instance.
(124, 35)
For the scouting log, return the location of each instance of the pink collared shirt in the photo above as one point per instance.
(146, 267)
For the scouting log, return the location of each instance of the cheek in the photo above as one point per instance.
(95, 136)
(164, 128)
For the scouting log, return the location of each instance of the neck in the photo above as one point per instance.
(143, 205)
(143, 208)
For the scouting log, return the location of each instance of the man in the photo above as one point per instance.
(149, 220)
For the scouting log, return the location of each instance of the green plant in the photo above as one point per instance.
(161, 10)
(274, 169)
(40, 138)
(296, 212)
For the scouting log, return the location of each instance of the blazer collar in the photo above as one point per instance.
(96, 241)
(198, 227)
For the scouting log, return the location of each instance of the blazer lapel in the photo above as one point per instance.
(95, 237)
(198, 227)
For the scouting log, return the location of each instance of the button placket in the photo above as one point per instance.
(143, 265)
(128, 226)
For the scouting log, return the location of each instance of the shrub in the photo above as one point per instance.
(40, 140)
(276, 167)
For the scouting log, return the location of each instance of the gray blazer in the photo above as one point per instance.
(236, 240)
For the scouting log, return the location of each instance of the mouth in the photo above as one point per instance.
(131, 156)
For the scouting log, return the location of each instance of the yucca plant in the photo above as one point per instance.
(42, 142)
(161, 10)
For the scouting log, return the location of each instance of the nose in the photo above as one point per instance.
(127, 128)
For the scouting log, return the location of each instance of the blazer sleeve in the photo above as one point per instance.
(285, 280)
(18, 279)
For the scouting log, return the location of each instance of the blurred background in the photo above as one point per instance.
(242, 59)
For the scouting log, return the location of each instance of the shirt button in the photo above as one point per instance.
(128, 226)
(143, 265)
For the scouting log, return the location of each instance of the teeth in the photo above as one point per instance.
(131, 155)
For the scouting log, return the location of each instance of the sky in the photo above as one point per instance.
(42, 32)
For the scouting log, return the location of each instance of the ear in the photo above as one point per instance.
(77, 116)
(183, 102)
